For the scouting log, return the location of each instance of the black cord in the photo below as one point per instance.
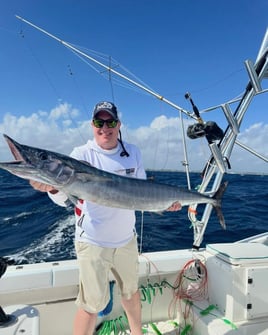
(124, 152)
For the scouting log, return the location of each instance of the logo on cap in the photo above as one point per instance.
(104, 105)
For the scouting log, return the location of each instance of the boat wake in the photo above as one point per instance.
(55, 245)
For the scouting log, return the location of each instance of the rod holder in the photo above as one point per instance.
(230, 118)
(253, 76)
(218, 157)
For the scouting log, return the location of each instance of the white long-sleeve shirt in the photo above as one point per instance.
(101, 225)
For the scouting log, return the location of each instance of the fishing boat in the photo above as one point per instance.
(216, 290)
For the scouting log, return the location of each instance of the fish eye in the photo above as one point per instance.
(42, 156)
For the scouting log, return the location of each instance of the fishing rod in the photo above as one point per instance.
(195, 109)
(108, 68)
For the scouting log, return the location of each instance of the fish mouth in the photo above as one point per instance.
(22, 165)
(13, 146)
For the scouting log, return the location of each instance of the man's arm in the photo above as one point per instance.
(42, 187)
(56, 196)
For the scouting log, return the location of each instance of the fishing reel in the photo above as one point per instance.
(208, 129)
(212, 132)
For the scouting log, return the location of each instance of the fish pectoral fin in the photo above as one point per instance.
(72, 200)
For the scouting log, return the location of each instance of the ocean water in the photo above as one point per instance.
(33, 229)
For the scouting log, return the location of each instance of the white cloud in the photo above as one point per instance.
(255, 138)
(65, 111)
(161, 142)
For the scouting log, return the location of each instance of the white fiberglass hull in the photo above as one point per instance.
(230, 300)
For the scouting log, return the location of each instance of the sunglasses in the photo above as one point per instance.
(99, 123)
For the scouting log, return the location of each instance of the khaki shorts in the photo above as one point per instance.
(95, 263)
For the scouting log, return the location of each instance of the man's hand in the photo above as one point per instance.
(42, 187)
(176, 206)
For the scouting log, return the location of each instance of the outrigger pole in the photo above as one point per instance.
(108, 68)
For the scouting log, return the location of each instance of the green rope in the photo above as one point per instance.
(210, 308)
(186, 330)
(228, 322)
(150, 290)
(116, 326)
(155, 329)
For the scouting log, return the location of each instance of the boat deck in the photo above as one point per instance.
(224, 297)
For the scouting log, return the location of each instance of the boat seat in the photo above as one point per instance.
(240, 253)
(240, 270)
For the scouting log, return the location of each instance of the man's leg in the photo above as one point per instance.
(93, 286)
(132, 308)
(84, 323)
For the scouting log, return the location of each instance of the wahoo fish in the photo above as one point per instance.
(80, 180)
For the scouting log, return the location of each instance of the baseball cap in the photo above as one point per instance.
(106, 106)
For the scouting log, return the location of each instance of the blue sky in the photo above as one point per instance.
(173, 46)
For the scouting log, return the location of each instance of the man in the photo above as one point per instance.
(105, 238)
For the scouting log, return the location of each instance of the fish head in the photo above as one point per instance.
(39, 164)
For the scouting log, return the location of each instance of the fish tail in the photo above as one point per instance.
(217, 204)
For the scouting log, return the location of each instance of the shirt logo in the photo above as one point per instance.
(129, 171)
(125, 171)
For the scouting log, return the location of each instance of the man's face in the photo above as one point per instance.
(105, 137)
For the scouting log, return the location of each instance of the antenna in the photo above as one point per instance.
(108, 68)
